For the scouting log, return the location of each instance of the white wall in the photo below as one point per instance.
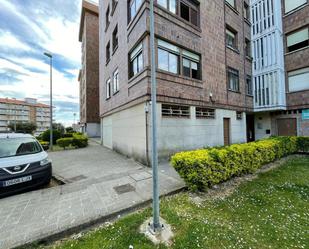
(125, 132)
(262, 123)
(93, 130)
(178, 134)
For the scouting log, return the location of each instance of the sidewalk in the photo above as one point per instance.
(50, 213)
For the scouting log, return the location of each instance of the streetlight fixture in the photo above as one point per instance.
(51, 100)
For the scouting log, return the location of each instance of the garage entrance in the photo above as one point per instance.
(287, 127)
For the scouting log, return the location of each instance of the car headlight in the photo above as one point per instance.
(44, 161)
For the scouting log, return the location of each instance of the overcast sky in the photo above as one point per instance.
(27, 29)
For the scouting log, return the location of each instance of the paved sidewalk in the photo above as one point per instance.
(48, 212)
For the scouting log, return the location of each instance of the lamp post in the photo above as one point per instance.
(156, 205)
(51, 100)
(15, 114)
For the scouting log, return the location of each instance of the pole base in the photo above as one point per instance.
(160, 235)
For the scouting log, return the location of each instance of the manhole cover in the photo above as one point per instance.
(124, 189)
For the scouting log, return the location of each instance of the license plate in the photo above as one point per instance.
(17, 181)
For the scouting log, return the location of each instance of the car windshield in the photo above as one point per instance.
(18, 147)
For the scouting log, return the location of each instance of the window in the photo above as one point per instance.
(233, 79)
(231, 2)
(170, 56)
(249, 85)
(170, 5)
(299, 80)
(246, 11)
(108, 53)
(108, 88)
(239, 115)
(248, 48)
(189, 11)
(115, 38)
(115, 81)
(204, 112)
(175, 111)
(191, 64)
(134, 7)
(298, 40)
(107, 21)
(231, 38)
(136, 60)
(293, 4)
(114, 4)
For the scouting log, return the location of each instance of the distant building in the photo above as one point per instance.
(89, 74)
(25, 111)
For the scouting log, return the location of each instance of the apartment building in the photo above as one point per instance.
(24, 111)
(204, 75)
(89, 74)
(280, 40)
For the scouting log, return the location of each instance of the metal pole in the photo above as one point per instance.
(156, 204)
(51, 104)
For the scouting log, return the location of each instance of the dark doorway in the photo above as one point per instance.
(287, 127)
(250, 128)
(226, 131)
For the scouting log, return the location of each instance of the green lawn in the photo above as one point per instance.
(271, 211)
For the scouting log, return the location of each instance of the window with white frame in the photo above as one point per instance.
(115, 81)
(170, 5)
(298, 40)
(171, 56)
(231, 38)
(136, 60)
(299, 80)
(293, 4)
(231, 2)
(134, 7)
(108, 88)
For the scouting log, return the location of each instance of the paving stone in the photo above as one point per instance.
(38, 214)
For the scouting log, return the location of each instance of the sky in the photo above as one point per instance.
(28, 28)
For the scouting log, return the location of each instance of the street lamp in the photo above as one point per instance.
(51, 100)
(155, 226)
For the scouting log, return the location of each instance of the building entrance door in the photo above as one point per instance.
(226, 131)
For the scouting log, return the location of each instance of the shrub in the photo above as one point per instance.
(303, 144)
(56, 135)
(68, 134)
(203, 168)
(44, 144)
(79, 141)
(64, 142)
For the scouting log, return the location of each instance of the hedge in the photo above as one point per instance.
(64, 142)
(77, 141)
(203, 168)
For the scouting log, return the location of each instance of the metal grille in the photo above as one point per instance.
(204, 113)
(176, 111)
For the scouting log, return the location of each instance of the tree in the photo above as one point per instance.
(69, 129)
(23, 127)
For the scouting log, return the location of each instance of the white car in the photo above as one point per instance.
(23, 163)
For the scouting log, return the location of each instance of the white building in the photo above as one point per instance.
(23, 111)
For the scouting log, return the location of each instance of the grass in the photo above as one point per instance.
(271, 211)
(58, 148)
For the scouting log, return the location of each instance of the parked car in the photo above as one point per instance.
(23, 164)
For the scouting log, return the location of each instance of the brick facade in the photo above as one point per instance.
(208, 40)
(298, 59)
(89, 74)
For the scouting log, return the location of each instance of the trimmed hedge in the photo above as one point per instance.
(203, 168)
(64, 142)
(77, 141)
